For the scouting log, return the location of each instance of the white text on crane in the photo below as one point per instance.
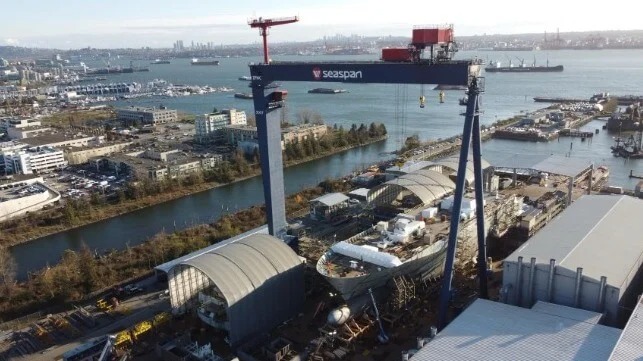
(319, 74)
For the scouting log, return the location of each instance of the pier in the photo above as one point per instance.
(632, 175)
(575, 133)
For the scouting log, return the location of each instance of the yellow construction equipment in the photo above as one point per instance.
(140, 328)
(161, 318)
(123, 337)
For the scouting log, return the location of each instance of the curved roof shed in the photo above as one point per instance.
(428, 185)
(453, 162)
(260, 277)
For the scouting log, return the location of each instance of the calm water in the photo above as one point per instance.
(586, 73)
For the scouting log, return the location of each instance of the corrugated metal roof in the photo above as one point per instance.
(428, 185)
(598, 233)
(493, 331)
(553, 164)
(239, 268)
(630, 345)
(360, 192)
(454, 161)
(567, 312)
(165, 267)
(331, 199)
(557, 164)
(410, 166)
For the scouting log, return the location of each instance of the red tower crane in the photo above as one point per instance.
(264, 24)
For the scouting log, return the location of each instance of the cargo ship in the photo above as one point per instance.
(196, 61)
(159, 61)
(327, 91)
(372, 258)
(495, 67)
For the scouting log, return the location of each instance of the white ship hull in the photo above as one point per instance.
(429, 262)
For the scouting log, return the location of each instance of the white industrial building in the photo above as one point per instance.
(244, 286)
(492, 331)
(589, 257)
(151, 116)
(209, 127)
(34, 160)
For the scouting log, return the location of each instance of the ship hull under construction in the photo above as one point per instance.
(426, 263)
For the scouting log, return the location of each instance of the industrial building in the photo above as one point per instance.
(421, 186)
(150, 116)
(589, 257)
(489, 330)
(328, 206)
(209, 127)
(630, 344)
(245, 286)
(80, 155)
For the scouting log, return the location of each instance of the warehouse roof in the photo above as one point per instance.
(553, 164)
(454, 161)
(593, 226)
(410, 166)
(241, 267)
(331, 199)
(165, 267)
(630, 344)
(489, 330)
(567, 312)
(427, 185)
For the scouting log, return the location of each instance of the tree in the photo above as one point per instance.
(7, 269)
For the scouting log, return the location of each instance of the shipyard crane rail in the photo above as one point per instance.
(264, 24)
(406, 69)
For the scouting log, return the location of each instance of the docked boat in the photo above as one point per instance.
(373, 257)
(196, 61)
(496, 67)
(327, 91)
(243, 95)
(245, 77)
(159, 61)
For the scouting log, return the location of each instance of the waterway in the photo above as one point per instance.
(586, 72)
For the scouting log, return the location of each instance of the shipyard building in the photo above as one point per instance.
(589, 257)
(243, 286)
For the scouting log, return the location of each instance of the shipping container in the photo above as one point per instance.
(396, 54)
(432, 36)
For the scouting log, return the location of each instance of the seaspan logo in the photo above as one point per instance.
(319, 74)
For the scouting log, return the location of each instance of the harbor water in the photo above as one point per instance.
(619, 72)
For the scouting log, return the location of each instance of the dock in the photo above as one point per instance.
(575, 133)
(632, 175)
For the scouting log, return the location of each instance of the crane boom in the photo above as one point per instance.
(264, 24)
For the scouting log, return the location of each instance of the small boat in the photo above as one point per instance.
(245, 77)
(243, 95)
(159, 61)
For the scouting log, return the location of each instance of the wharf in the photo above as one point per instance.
(575, 133)
(558, 100)
(524, 135)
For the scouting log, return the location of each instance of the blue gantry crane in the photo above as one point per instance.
(427, 60)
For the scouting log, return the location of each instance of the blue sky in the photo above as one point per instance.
(158, 23)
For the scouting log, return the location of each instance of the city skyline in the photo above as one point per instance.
(158, 24)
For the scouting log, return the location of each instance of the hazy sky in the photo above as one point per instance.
(158, 23)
